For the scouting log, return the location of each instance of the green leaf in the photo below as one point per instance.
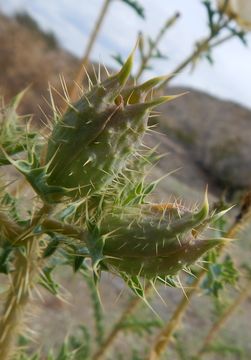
(52, 246)
(5, 259)
(118, 58)
(239, 34)
(134, 284)
(225, 349)
(219, 274)
(210, 14)
(64, 353)
(79, 344)
(140, 326)
(209, 58)
(81, 254)
(136, 6)
(48, 282)
(159, 55)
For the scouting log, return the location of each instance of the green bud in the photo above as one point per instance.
(152, 240)
(95, 138)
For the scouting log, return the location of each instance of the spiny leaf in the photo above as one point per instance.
(219, 274)
(47, 281)
(5, 259)
(52, 246)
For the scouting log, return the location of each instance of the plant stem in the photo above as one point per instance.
(164, 337)
(223, 319)
(131, 307)
(153, 45)
(22, 281)
(81, 73)
(202, 46)
(49, 224)
(97, 307)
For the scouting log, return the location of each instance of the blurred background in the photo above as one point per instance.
(72, 21)
(206, 133)
(208, 129)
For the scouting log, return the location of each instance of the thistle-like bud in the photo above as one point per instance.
(152, 240)
(92, 142)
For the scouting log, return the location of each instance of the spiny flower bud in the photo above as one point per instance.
(92, 142)
(152, 240)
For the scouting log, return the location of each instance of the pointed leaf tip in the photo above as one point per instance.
(125, 71)
(222, 213)
(160, 100)
(204, 211)
(149, 84)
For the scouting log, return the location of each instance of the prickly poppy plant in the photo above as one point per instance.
(92, 199)
(149, 241)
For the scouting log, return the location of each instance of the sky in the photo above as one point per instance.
(72, 21)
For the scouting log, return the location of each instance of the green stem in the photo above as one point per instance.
(164, 337)
(81, 73)
(131, 307)
(49, 224)
(201, 47)
(153, 45)
(22, 282)
(97, 307)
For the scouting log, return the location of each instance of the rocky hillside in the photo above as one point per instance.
(27, 59)
(209, 139)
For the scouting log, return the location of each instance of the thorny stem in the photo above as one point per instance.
(81, 74)
(153, 45)
(164, 337)
(132, 305)
(49, 224)
(22, 281)
(223, 319)
(16, 234)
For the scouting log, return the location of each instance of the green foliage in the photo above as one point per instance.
(92, 143)
(224, 349)
(96, 305)
(148, 240)
(219, 274)
(140, 327)
(211, 12)
(47, 281)
(75, 347)
(5, 258)
(240, 34)
(118, 58)
(92, 202)
(136, 6)
(95, 192)
(13, 135)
